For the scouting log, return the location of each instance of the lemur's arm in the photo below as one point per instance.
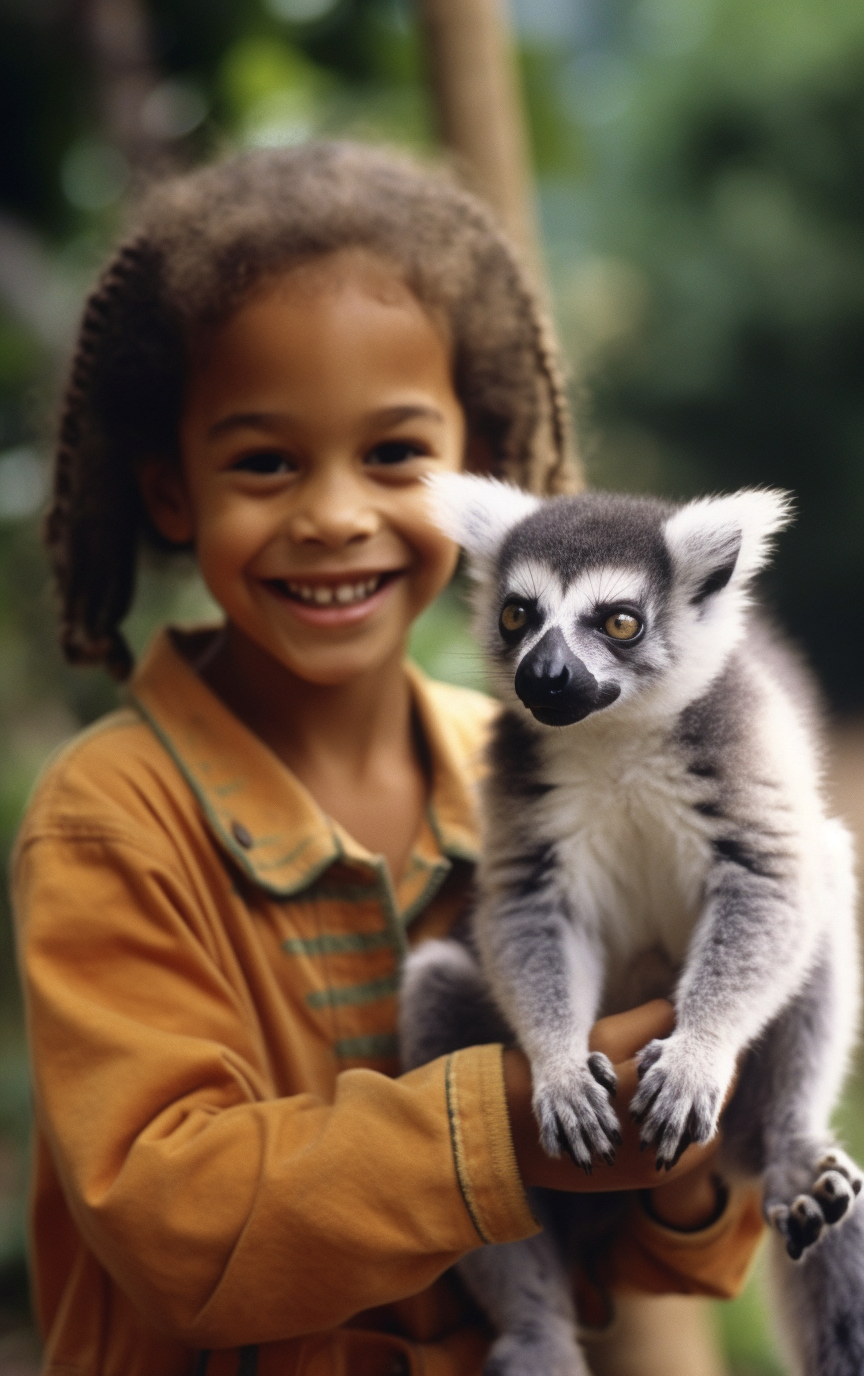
(746, 957)
(546, 974)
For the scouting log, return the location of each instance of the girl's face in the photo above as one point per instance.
(310, 421)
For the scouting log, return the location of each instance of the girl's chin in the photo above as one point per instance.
(340, 671)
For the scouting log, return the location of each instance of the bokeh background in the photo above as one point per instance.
(700, 180)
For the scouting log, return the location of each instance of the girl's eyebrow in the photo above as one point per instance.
(245, 420)
(392, 415)
(272, 421)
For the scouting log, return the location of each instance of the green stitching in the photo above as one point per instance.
(438, 873)
(457, 1155)
(335, 944)
(225, 790)
(391, 912)
(376, 1044)
(287, 859)
(240, 856)
(354, 993)
(449, 848)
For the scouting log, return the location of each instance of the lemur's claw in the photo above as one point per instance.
(582, 1161)
(603, 1072)
(574, 1115)
(679, 1095)
(684, 1143)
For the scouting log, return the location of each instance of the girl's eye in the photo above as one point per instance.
(265, 461)
(514, 617)
(391, 452)
(622, 626)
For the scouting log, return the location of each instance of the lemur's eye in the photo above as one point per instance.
(514, 617)
(622, 626)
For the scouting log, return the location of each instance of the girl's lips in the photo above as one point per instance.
(335, 613)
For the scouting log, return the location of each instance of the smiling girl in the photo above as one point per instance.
(215, 886)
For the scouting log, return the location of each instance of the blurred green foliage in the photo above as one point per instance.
(701, 188)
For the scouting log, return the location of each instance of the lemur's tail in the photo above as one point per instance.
(821, 1301)
(445, 1004)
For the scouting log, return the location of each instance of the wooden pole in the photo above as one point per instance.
(475, 85)
(479, 106)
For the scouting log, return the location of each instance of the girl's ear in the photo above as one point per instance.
(164, 492)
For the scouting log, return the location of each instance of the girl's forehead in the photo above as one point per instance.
(319, 347)
(355, 267)
(346, 273)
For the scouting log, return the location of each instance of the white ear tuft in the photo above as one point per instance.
(477, 512)
(717, 540)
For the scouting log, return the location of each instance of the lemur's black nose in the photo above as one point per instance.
(556, 686)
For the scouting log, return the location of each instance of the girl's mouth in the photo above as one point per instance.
(334, 603)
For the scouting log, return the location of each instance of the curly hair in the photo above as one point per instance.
(204, 243)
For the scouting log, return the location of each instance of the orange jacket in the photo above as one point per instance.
(225, 1156)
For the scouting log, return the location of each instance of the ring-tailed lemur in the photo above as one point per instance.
(653, 823)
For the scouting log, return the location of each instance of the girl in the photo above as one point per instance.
(215, 885)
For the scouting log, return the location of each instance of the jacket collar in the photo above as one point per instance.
(263, 816)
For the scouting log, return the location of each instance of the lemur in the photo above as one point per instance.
(653, 824)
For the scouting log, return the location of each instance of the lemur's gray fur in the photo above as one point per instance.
(653, 823)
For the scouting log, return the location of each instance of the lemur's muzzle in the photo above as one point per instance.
(556, 687)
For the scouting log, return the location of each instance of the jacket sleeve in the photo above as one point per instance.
(231, 1216)
(649, 1258)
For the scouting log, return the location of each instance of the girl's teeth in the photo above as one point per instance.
(344, 594)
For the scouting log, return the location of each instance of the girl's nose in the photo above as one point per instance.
(333, 509)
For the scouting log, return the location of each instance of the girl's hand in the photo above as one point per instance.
(684, 1197)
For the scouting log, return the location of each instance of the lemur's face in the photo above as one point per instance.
(582, 597)
(589, 603)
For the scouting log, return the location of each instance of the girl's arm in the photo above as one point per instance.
(228, 1208)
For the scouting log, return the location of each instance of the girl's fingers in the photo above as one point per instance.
(623, 1034)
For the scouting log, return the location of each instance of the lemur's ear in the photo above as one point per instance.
(477, 512)
(716, 540)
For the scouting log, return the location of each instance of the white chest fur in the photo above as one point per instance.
(633, 852)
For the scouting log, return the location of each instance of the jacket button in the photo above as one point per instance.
(241, 835)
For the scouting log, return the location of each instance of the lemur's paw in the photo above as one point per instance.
(827, 1181)
(679, 1096)
(574, 1114)
(833, 1194)
(550, 1349)
(800, 1224)
(838, 1183)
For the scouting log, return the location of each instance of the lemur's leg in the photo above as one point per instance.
(792, 1077)
(749, 954)
(777, 1122)
(444, 1004)
(811, 1186)
(546, 973)
(525, 1290)
(821, 1301)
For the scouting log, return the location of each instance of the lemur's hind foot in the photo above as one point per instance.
(812, 1191)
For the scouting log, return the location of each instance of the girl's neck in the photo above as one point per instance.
(310, 725)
